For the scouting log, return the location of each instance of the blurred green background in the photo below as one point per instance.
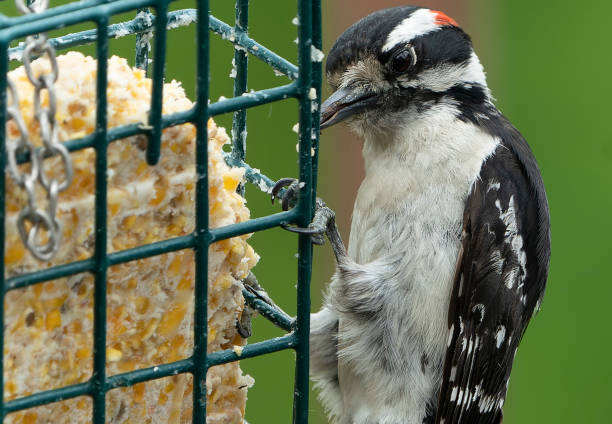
(548, 67)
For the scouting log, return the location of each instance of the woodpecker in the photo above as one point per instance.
(449, 244)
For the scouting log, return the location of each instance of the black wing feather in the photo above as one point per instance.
(499, 282)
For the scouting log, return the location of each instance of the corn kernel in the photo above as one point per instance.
(10, 387)
(142, 304)
(175, 265)
(14, 253)
(37, 289)
(224, 282)
(113, 355)
(138, 390)
(171, 320)
(55, 302)
(160, 195)
(229, 183)
(177, 342)
(132, 283)
(149, 329)
(83, 353)
(78, 124)
(115, 199)
(127, 365)
(53, 320)
(129, 221)
(30, 418)
(82, 404)
(236, 253)
(12, 207)
(142, 167)
(76, 327)
(184, 284)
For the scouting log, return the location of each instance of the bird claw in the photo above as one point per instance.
(323, 218)
(323, 214)
(290, 196)
(243, 323)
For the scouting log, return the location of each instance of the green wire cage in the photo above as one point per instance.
(154, 16)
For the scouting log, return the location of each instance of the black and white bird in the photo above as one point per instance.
(449, 244)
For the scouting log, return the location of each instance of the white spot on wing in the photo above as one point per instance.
(493, 185)
(450, 335)
(511, 277)
(453, 394)
(497, 261)
(515, 240)
(468, 399)
(482, 404)
(481, 309)
(487, 403)
(500, 335)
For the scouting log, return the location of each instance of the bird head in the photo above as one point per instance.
(400, 64)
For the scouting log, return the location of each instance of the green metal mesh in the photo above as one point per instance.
(305, 76)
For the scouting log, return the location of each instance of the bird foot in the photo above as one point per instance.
(323, 223)
(243, 323)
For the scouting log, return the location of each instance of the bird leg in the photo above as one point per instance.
(323, 223)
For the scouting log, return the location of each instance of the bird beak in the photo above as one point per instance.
(344, 103)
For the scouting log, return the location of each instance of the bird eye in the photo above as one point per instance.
(403, 60)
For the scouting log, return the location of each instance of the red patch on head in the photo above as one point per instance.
(442, 19)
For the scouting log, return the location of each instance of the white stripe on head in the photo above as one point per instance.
(421, 22)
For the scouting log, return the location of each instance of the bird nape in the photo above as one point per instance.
(450, 243)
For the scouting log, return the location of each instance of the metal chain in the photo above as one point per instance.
(32, 220)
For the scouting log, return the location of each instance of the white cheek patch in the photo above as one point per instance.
(448, 75)
(421, 22)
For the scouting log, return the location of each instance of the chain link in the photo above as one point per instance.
(33, 221)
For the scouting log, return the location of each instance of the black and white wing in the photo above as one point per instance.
(499, 283)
